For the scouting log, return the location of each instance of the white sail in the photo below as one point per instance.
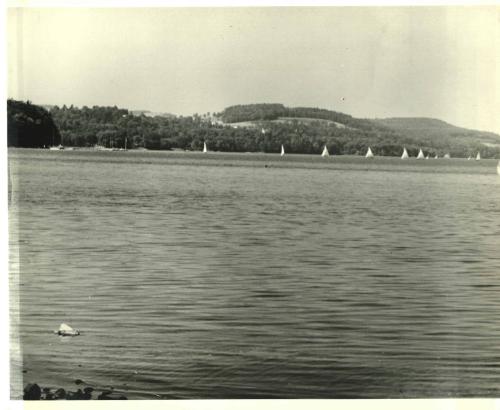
(282, 150)
(446, 156)
(405, 154)
(369, 153)
(65, 330)
(498, 168)
(427, 157)
(205, 147)
(436, 157)
(56, 148)
(325, 152)
(469, 158)
(478, 156)
(420, 154)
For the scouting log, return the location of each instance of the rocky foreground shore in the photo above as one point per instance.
(32, 391)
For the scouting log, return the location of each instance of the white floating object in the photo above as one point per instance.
(369, 153)
(478, 157)
(65, 330)
(446, 156)
(282, 150)
(325, 152)
(405, 154)
(498, 168)
(420, 154)
(205, 147)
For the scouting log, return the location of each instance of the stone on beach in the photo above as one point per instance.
(32, 391)
(109, 395)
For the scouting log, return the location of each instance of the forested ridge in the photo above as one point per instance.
(260, 128)
(30, 125)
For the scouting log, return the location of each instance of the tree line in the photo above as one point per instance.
(300, 130)
(30, 125)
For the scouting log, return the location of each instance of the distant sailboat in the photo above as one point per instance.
(65, 330)
(436, 156)
(498, 168)
(469, 158)
(325, 152)
(369, 153)
(205, 147)
(446, 156)
(56, 148)
(420, 155)
(427, 157)
(405, 154)
(282, 150)
(478, 157)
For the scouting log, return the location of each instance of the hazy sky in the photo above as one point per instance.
(367, 62)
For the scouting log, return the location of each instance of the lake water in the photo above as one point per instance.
(218, 275)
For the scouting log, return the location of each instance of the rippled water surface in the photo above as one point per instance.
(253, 276)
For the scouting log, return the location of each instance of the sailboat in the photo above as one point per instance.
(65, 330)
(478, 156)
(282, 150)
(369, 153)
(56, 148)
(469, 158)
(446, 156)
(427, 157)
(405, 154)
(325, 152)
(205, 147)
(420, 154)
(436, 156)
(498, 168)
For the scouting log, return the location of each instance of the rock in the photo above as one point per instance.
(108, 395)
(87, 393)
(78, 395)
(32, 391)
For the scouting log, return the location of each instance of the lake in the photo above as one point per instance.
(196, 276)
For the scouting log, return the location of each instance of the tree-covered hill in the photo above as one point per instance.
(385, 136)
(253, 128)
(437, 132)
(29, 125)
(263, 112)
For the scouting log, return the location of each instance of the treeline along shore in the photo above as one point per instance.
(242, 128)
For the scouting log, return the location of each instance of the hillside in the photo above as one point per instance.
(244, 128)
(415, 123)
(386, 136)
(29, 125)
(431, 129)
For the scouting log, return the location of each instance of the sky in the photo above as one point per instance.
(440, 62)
